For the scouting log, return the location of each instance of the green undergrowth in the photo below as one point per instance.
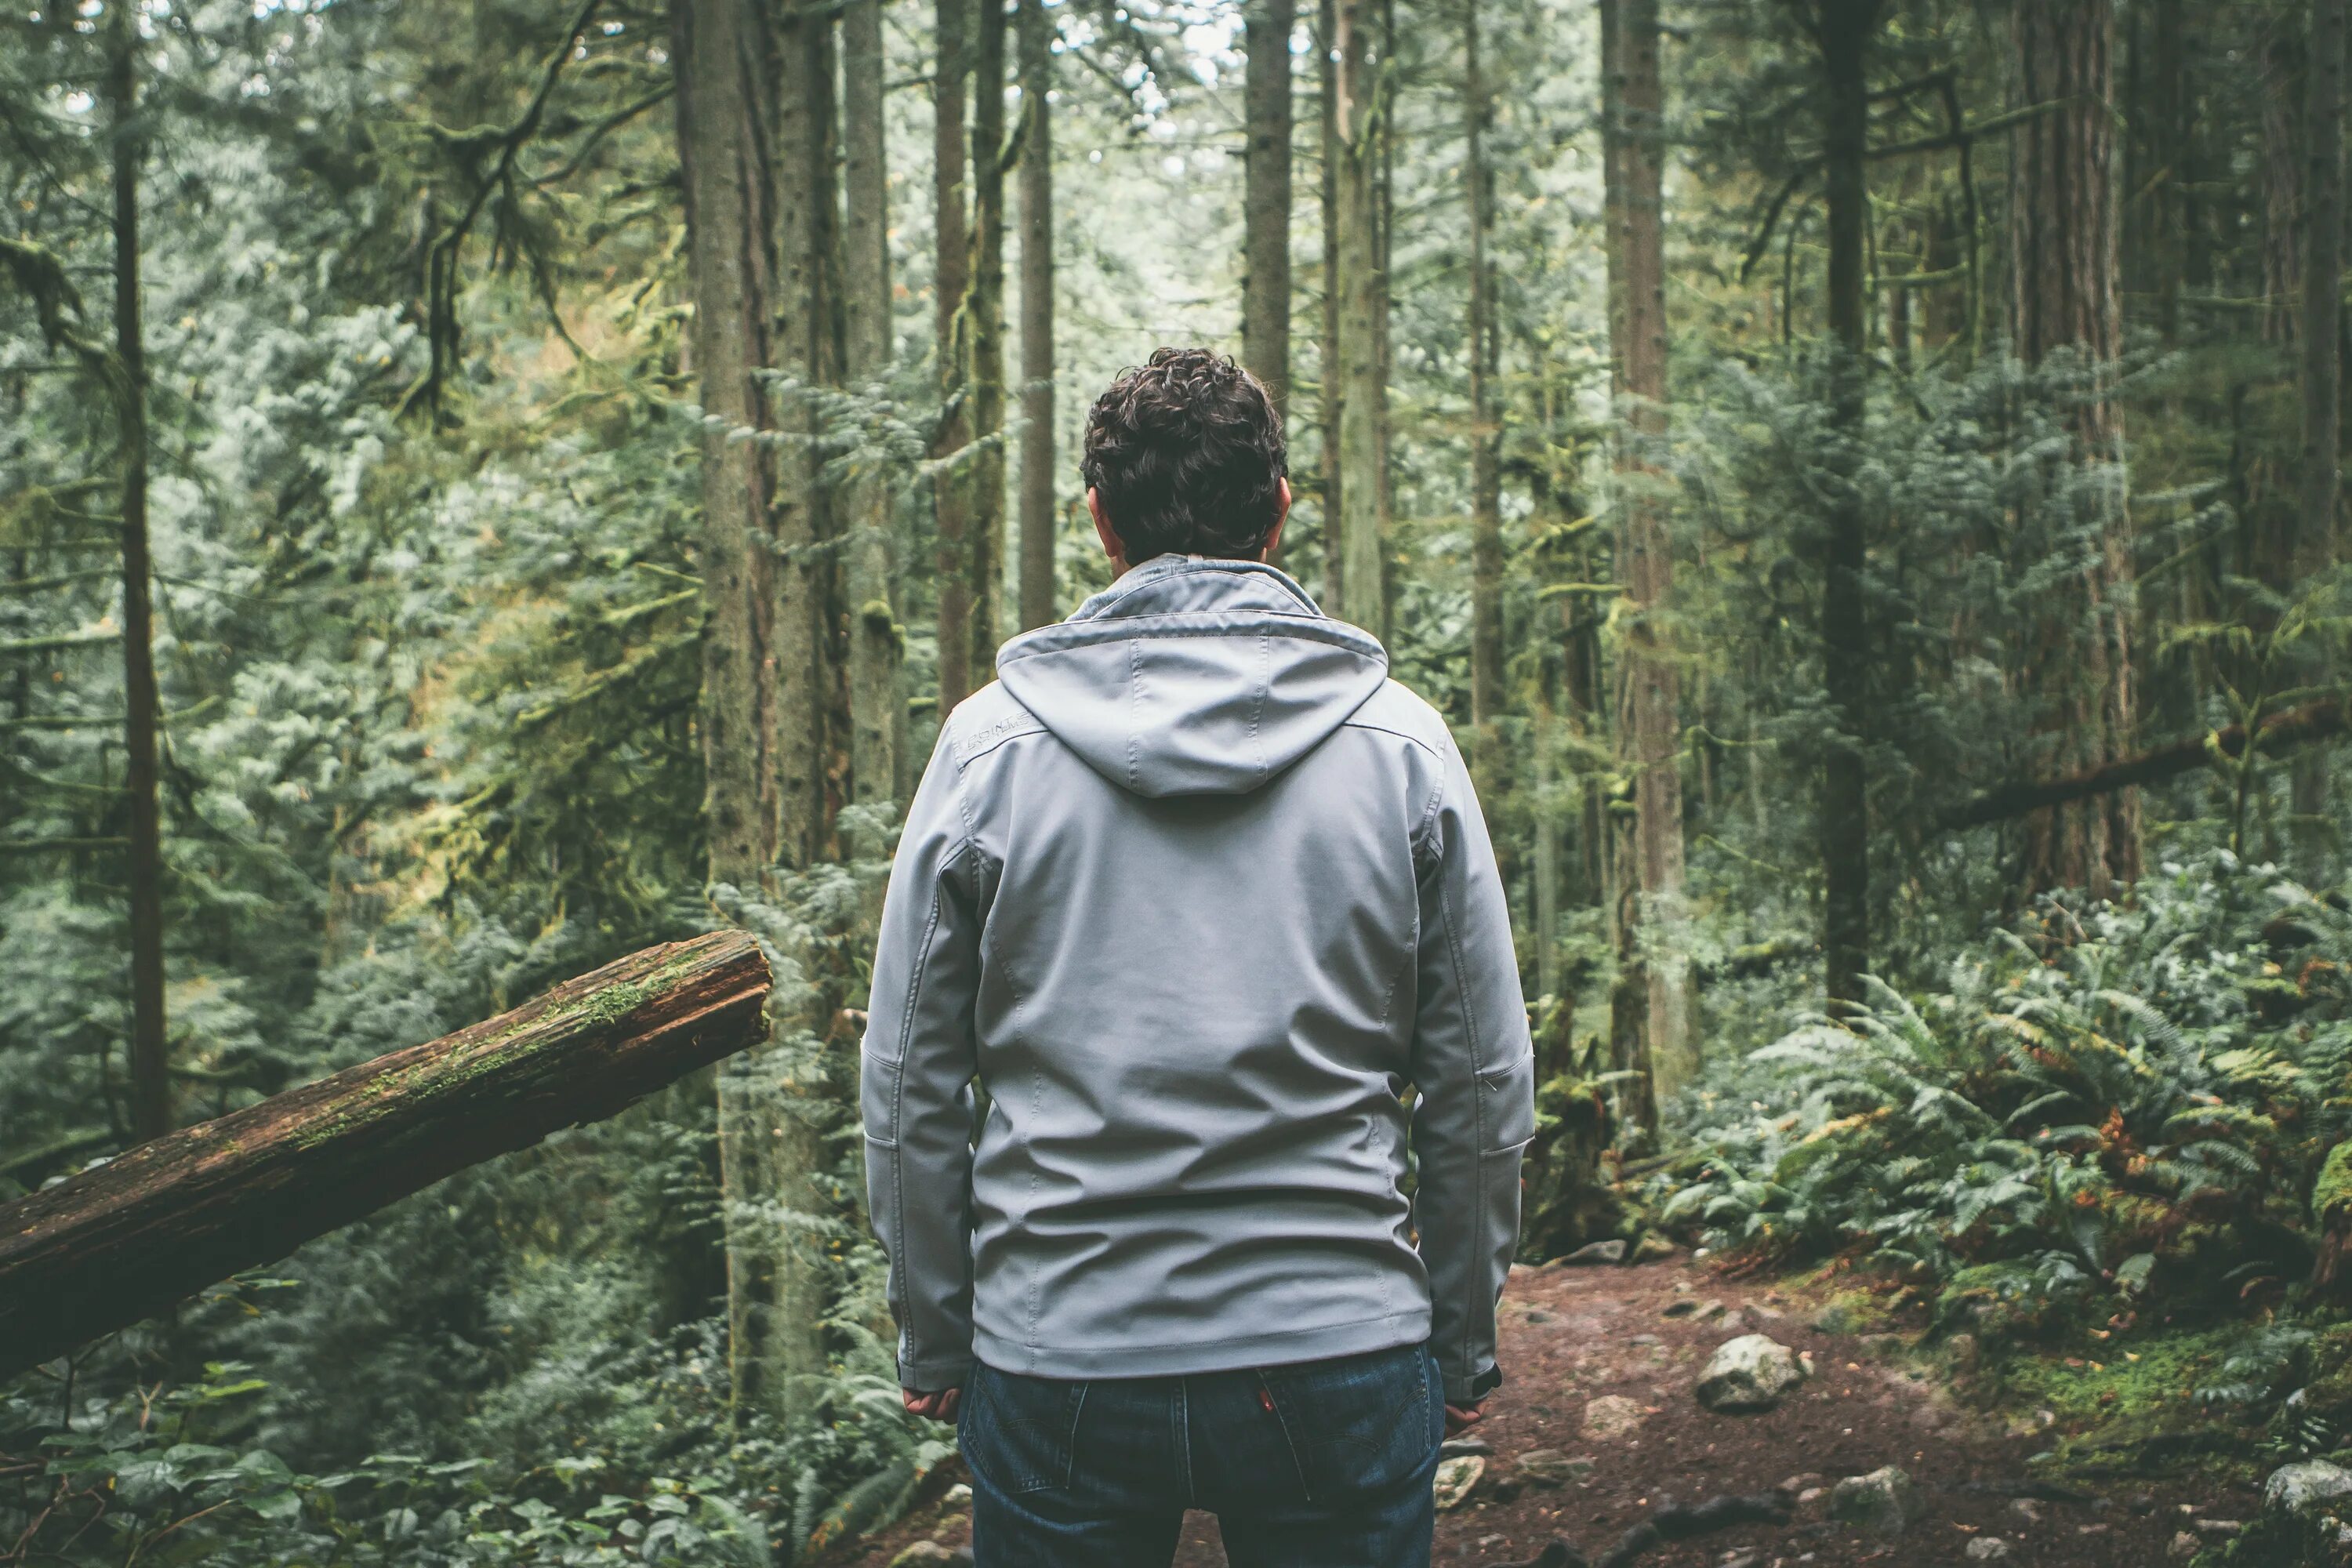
(2109, 1117)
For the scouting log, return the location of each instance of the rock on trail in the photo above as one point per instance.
(1750, 1374)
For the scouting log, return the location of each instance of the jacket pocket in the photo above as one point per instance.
(1507, 1104)
(1021, 1432)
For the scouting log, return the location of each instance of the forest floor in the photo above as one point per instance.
(1599, 1371)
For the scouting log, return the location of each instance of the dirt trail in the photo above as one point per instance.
(1573, 1336)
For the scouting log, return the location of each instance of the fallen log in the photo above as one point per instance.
(128, 1239)
(2312, 721)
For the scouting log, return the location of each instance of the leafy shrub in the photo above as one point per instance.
(138, 1477)
(2112, 1105)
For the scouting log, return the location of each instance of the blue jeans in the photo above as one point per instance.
(1324, 1464)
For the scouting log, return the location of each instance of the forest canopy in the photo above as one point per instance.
(488, 487)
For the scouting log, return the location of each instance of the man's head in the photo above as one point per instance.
(1185, 457)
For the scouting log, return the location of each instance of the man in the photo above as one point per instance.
(1194, 892)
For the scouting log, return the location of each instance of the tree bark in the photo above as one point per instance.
(2282, 90)
(1038, 607)
(1486, 432)
(877, 704)
(126, 1240)
(1360, 592)
(771, 1148)
(729, 63)
(985, 558)
(2323, 319)
(1654, 991)
(2064, 294)
(951, 489)
(1266, 200)
(151, 1061)
(1383, 469)
(799, 509)
(724, 55)
(1326, 389)
(1844, 34)
(2171, 140)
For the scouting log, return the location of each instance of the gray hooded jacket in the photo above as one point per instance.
(1194, 892)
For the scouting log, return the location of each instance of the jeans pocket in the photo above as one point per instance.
(1019, 1432)
(1360, 1423)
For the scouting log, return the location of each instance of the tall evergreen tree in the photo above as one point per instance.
(1841, 31)
(151, 1061)
(952, 483)
(984, 311)
(878, 705)
(1332, 481)
(2064, 295)
(1359, 585)
(2322, 374)
(722, 52)
(1266, 200)
(1037, 510)
(1652, 1022)
(1486, 432)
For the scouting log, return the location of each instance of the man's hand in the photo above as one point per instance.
(1458, 1419)
(941, 1406)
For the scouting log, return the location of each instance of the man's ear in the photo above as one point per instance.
(1112, 545)
(1281, 515)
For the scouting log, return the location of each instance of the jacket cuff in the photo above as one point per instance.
(1464, 1392)
(934, 1374)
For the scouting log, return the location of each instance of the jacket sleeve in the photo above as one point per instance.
(918, 1065)
(1474, 1072)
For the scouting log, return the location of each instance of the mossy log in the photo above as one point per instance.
(161, 1221)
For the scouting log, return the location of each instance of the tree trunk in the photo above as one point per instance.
(1266, 201)
(2286, 153)
(984, 556)
(2063, 294)
(727, 62)
(877, 704)
(1038, 607)
(150, 1061)
(1326, 390)
(723, 55)
(2170, 138)
(1579, 651)
(113, 1245)
(1655, 990)
(1360, 593)
(1845, 27)
(799, 509)
(951, 489)
(1383, 472)
(1547, 849)
(2322, 316)
(771, 1148)
(1486, 433)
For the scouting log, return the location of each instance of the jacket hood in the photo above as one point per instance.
(1193, 675)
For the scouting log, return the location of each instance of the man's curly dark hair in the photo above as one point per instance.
(1186, 453)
